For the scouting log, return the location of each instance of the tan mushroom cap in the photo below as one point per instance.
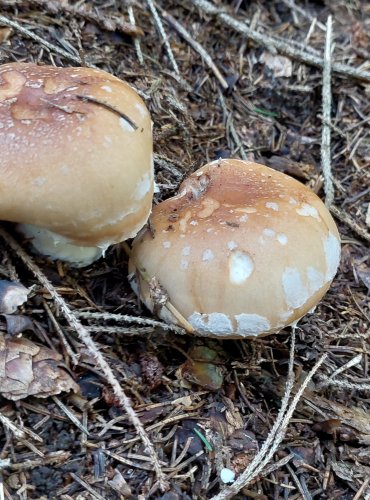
(76, 153)
(242, 251)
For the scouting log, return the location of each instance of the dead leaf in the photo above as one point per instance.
(27, 369)
(201, 368)
(119, 484)
(205, 375)
(280, 65)
(5, 34)
(343, 471)
(12, 295)
(367, 220)
(17, 323)
(352, 416)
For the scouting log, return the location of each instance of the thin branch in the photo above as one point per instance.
(326, 118)
(197, 47)
(282, 47)
(124, 318)
(160, 28)
(90, 344)
(303, 491)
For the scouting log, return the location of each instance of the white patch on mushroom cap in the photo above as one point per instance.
(141, 108)
(217, 323)
(282, 239)
(125, 125)
(39, 181)
(186, 250)
(241, 267)
(231, 245)
(307, 210)
(268, 232)
(142, 187)
(183, 222)
(272, 205)
(332, 255)
(246, 210)
(207, 255)
(108, 141)
(209, 206)
(295, 291)
(184, 264)
(251, 324)
(284, 316)
(166, 244)
(106, 88)
(315, 279)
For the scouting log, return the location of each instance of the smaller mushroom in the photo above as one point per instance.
(76, 163)
(241, 251)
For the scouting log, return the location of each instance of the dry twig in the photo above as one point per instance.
(124, 318)
(160, 28)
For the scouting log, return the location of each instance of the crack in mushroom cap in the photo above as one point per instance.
(242, 251)
(76, 153)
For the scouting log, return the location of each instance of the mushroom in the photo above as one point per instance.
(241, 251)
(76, 163)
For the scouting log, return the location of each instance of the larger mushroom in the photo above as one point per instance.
(76, 166)
(241, 251)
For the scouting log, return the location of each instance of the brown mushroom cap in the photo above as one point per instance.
(76, 153)
(242, 251)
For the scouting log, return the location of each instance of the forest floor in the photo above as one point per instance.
(237, 79)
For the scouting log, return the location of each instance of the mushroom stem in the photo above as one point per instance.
(56, 246)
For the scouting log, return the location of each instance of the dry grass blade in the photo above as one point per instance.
(160, 28)
(131, 17)
(90, 344)
(19, 433)
(124, 318)
(326, 118)
(87, 487)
